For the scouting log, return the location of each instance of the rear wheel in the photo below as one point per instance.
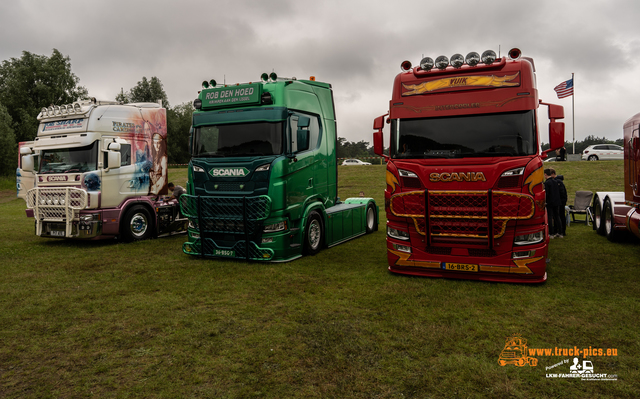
(371, 218)
(598, 226)
(313, 234)
(609, 221)
(136, 224)
(592, 158)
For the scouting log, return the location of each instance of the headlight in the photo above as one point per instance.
(272, 228)
(406, 173)
(513, 172)
(197, 169)
(397, 234)
(528, 239)
(263, 168)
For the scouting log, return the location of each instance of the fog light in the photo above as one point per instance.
(272, 228)
(523, 254)
(402, 248)
(267, 240)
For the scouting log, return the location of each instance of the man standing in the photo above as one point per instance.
(553, 204)
(562, 191)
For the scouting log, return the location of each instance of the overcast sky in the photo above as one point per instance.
(357, 46)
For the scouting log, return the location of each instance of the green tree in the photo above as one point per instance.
(31, 82)
(8, 147)
(178, 126)
(147, 90)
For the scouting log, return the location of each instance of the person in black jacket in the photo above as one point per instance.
(553, 204)
(562, 191)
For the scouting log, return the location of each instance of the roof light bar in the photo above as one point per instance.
(458, 61)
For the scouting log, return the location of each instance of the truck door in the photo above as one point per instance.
(301, 178)
(25, 181)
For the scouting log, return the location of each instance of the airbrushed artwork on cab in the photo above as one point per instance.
(147, 135)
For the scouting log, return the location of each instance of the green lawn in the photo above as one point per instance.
(100, 319)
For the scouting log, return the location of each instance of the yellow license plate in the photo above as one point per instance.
(461, 267)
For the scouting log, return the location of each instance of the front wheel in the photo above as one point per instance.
(136, 224)
(592, 158)
(313, 234)
(609, 221)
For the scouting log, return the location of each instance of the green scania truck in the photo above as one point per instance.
(262, 180)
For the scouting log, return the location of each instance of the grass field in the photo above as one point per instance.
(107, 319)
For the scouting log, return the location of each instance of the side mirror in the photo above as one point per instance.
(114, 147)
(303, 121)
(378, 139)
(556, 136)
(114, 158)
(25, 151)
(27, 162)
(378, 123)
(635, 143)
(556, 112)
(191, 140)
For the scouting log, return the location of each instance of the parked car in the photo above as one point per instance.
(602, 152)
(354, 162)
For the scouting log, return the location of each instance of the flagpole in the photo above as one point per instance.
(573, 112)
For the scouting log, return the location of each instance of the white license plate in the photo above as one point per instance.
(57, 233)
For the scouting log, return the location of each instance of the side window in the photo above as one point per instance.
(314, 131)
(125, 154)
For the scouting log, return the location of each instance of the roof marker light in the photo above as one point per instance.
(426, 64)
(405, 66)
(273, 76)
(213, 83)
(515, 53)
(77, 108)
(488, 57)
(472, 59)
(264, 77)
(205, 84)
(457, 60)
(442, 62)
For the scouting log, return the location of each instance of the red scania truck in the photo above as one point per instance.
(465, 195)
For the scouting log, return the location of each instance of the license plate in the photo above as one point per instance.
(461, 267)
(57, 233)
(225, 252)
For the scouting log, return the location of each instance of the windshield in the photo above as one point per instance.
(68, 160)
(242, 139)
(491, 135)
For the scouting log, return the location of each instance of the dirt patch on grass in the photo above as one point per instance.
(7, 195)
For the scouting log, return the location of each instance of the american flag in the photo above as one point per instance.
(564, 89)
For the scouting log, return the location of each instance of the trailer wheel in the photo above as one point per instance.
(313, 234)
(609, 221)
(592, 158)
(136, 224)
(598, 226)
(371, 218)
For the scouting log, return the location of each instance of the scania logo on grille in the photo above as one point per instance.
(57, 178)
(457, 176)
(229, 172)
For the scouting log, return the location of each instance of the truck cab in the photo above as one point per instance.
(465, 196)
(100, 171)
(263, 173)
